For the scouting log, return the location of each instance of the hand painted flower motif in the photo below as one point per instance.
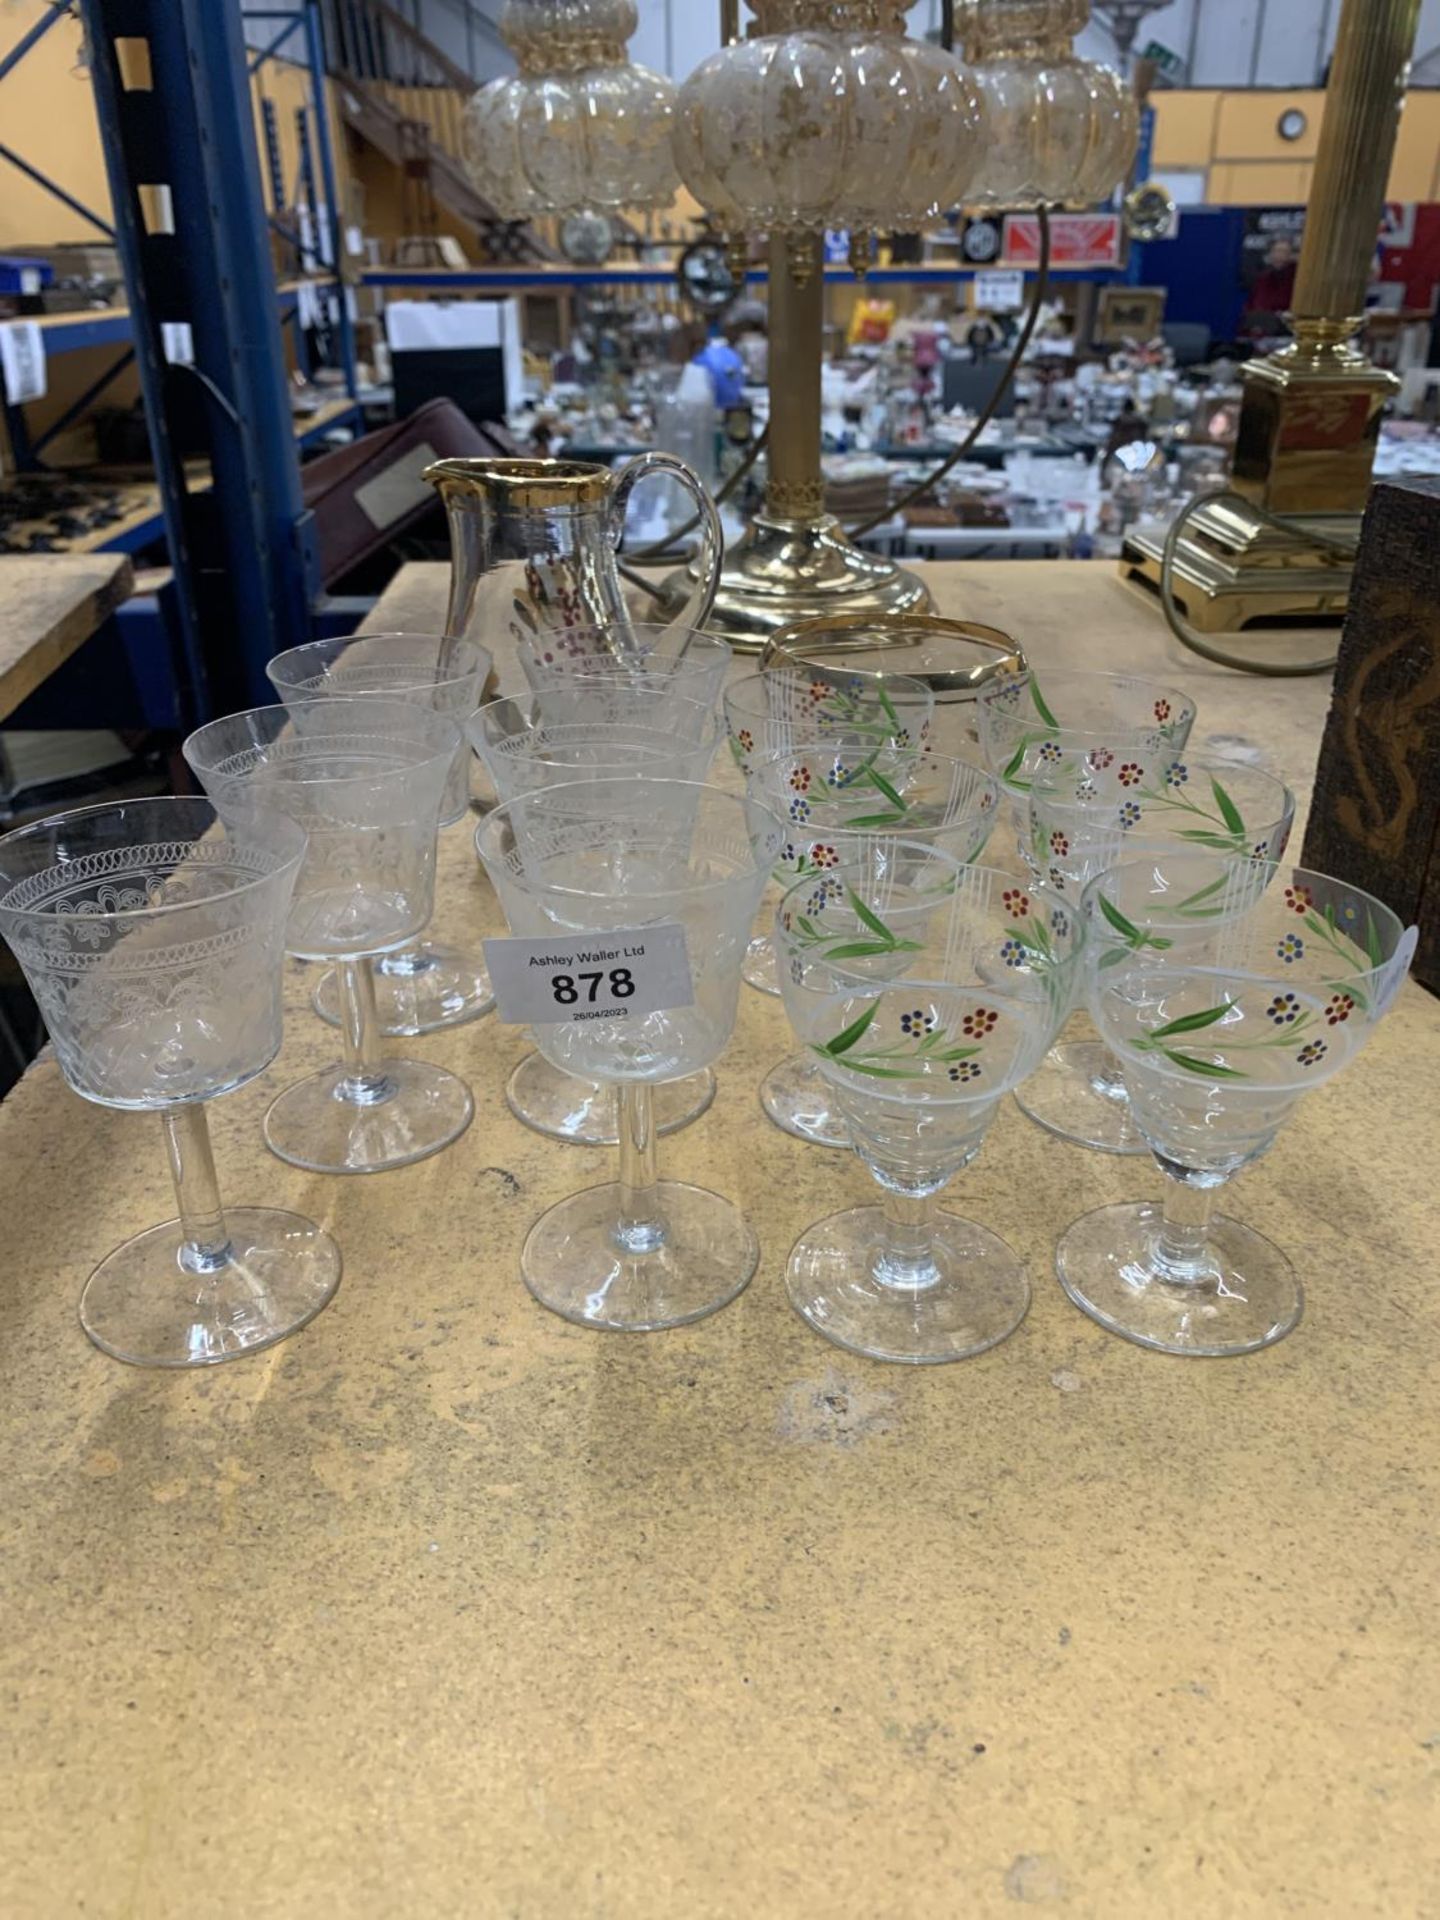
(827, 891)
(1162, 711)
(838, 776)
(1130, 773)
(979, 1023)
(797, 970)
(1312, 1051)
(1299, 899)
(1059, 843)
(987, 801)
(1056, 879)
(1060, 924)
(1012, 952)
(800, 779)
(917, 1022)
(1349, 913)
(1016, 903)
(824, 856)
(901, 736)
(746, 739)
(1177, 775)
(787, 853)
(1340, 1009)
(799, 809)
(1101, 757)
(1291, 949)
(1050, 751)
(1283, 1009)
(1260, 850)
(818, 691)
(1129, 815)
(965, 1070)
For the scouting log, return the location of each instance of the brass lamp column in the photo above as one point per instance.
(1311, 413)
(795, 561)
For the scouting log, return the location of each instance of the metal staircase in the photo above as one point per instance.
(407, 98)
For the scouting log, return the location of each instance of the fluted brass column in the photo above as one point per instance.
(794, 561)
(1311, 413)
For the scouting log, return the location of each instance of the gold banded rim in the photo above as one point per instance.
(523, 483)
(852, 633)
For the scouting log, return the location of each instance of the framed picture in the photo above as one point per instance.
(1128, 313)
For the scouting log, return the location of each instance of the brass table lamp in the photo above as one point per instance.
(1279, 542)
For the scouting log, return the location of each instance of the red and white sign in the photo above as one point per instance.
(1397, 224)
(1076, 240)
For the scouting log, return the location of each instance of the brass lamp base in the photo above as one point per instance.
(1233, 570)
(788, 570)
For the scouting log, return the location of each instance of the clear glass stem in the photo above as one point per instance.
(1108, 1079)
(204, 1240)
(907, 1260)
(640, 1228)
(365, 1081)
(1180, 1253)
(407, 963)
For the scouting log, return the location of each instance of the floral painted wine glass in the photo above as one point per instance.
(600, 857)
(1030, 719)
(1224, 1003)
(661, 659)
(925, 998)
(1088, 811)
(551, 738)
(152, 936)
(831, 798)
(429, 983)
(366, 779)
(786, 706)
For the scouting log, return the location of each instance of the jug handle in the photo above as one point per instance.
(712, 540)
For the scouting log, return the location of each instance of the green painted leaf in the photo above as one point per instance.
(874, 820)
(866, 949)
(959, 1053)
(1125, 928)
(888, 704)
(1040, 707)
(1205, 837)
(1202, 1066)
(871, 920)
(1372, 941)
(846, 1039)
(878, 780)
(1192, 1022)
(1229, 812)
(1015, 763)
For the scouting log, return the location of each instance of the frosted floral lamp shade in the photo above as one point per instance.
(1060, 131)
(828, 117)
(579, 125)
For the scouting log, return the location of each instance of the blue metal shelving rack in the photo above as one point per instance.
(172, 90)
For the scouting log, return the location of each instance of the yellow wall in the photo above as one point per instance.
(1234, 139)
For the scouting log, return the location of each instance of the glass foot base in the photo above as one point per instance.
(573, 1265)
(447, 989)
(979, 1296)
(758, 967)
(1062, 1096)
(142, 1306)
(312, 1126)
(797, 1097)
(1253, 1299)
(587, 1114)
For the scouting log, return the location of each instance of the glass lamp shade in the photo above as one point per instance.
(1060, 131)
(829, 117)
(579, 125)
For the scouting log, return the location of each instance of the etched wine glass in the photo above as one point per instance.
(427, 984)
(926, 989)
(831, 797)
(152, 936)
(1030, 719)
(366, 779)
(601, 857)
(787, 706)
(1224, 1003)
(549, 739)
(673, 659)
(1088, 811)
